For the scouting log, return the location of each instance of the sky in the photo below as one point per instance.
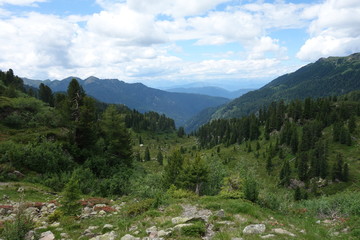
(162, 43)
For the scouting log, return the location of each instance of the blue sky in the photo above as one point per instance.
(239, 43)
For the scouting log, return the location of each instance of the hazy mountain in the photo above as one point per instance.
(211, 91)
(179, 106)
(325, 77)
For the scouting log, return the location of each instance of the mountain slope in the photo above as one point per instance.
(179, 106)
(211, 91)
(326, 77)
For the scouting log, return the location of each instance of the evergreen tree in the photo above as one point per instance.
(346, 173)
(251, 191)
(303, 166)
(147, 155)
(75, 95)
(173, 168)
(297, 194)
(117, 138)
(194, 174)
(181, 132)
(160, 157)
(352, 124)
(71, 196)
(45, 94)
(285, 174)
(269, 165)
(337, 172)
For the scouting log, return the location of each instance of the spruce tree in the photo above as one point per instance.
(160, 157)
(285, 174)
(352, 124)
(345, 173)
(297, 194)
(147, 155)
(71, 196)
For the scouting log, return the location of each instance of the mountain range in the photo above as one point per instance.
(211, 91)
(178, 106)
(326, 77)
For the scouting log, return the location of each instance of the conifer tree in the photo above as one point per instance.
(194, 174)
(173, 168)
(346, 173)
(352, 124)
(285, 174)
(71, 196)
(297, 194)
(269, 165)
(160, 157)
(303, 166)
(147, 155)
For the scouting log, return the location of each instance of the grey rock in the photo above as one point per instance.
(129, 237)
(254, 229)
(283, 232)
(220, 213)
(107, 236)
(163, 233)
(30, 235)
(178, 220)
(268, 236)
(151, 229)
(179, 226)
(237, 239)
(47, 236)
(108, 227)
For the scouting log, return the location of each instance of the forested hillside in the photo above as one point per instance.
(75, 168)
(178, 106)
(331, 76)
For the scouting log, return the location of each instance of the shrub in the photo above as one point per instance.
(180, 193)
(17, 229)
(137, 208)
(196, 230)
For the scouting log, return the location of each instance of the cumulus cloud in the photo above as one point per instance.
(334, 31)
(21, 2)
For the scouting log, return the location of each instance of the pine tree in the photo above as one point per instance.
(269, 165)
(194, 174)
(181, 132)
(303, 166)
(346, 173)
(297, 194)
(147, 155)
(45, 94)
(71, 196)
(251, 191)
(160, 157)
(352, 124)
(173, 168)
(285, 174)
(337, 172)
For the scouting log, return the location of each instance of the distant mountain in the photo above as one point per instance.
(211, 91)
(325, 77)
(178, 106)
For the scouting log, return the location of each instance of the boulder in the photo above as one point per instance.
(220, 213)
(254, 229)
(108, 227)
(107, 236)
(283, 232)
(129, 237)
(47, 236)
(178, 220)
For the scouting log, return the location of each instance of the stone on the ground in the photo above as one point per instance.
(108, 227)
(254, 229)
(129, 237)
(107, 236)
(47, 236)
(178, 220)
(283, 232)
(179, 226)
(268, 236)
(220, 213)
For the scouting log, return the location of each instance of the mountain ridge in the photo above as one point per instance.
(179, 106)
(325, 77)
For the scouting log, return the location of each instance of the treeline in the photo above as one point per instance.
(294, 128)
(150, 121)
(77, 136)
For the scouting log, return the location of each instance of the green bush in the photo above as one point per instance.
(196, 230)
(137, 208)
(17, 229)
(173, 192)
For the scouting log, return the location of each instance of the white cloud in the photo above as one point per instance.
(21, 2)
(335, 30)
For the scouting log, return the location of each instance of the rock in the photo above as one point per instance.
(240, 218)
(163, 233)
(220, 213)
(151, 229)
(237, 239)
(108, 227)
(102, 213)
(91, 228)
(55, 224)
(129, 237)
(99, 205)
(318, 221)
(107, 236)
(178, 220)
(87, 210)
(64, 235)
(283, 232)
(133, 228)
(20, 190)
(32, 211)
(226, 223)
(179, 226)
(267, 236)
(30, 235)
(254, 229)
(47, 236)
